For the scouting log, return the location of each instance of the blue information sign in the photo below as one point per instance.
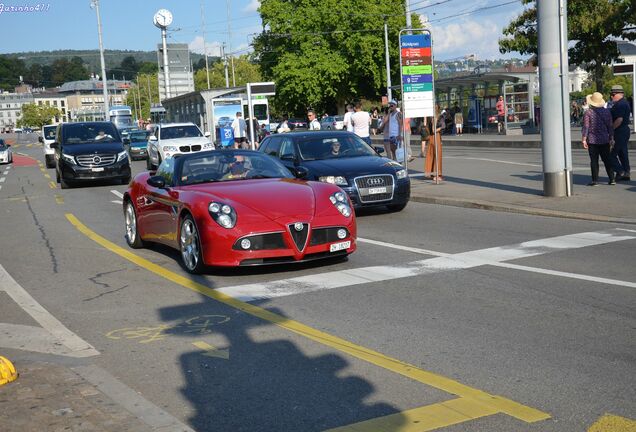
(417, 79)
(416, 41)
(227, 136)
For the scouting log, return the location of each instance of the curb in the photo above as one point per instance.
(7, 371)
(508, 208)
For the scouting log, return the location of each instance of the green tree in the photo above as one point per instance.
(322, 54)
(244, 71)
(65, 70)
(11, 69)
(148, 68)
(591, 26)
(37, 116)
(145, 88)
(128, 68)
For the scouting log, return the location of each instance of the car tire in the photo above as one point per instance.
(190, 245)
(49, 161)
(63, 184)
(132, 232)
(148, 163)
(397, 207)
(57, 176)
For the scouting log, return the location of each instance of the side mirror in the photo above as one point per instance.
(207, 134)
(299, 172)
(40, 139)
(157, 182)
(55, 145)
(152, 138)
(379, 150)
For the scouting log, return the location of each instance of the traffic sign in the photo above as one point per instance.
(416, 64)
(623, 69)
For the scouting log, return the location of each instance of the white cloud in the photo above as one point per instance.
(213, 48)
(252, 6)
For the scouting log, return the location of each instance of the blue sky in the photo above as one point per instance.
(459, 28)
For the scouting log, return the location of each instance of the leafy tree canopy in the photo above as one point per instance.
(322, 54)
(593, 27)
(244, 71)
(37, 116)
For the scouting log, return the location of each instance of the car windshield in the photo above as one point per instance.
(141, 136)
(49, 132)
(90, 133)
(3, 146)
(333, 147)
(186, 131)
(229, 166)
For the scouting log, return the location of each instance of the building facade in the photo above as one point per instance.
(85, 99)
(11, 109)
(55, 99)
(179, 70)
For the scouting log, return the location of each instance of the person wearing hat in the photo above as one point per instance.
(598, 136)
(620, 117)
(392, 125)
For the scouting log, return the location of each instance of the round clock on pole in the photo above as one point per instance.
(163, 18)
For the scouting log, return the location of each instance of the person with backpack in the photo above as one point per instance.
(598, 136)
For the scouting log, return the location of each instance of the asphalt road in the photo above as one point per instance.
(471, 320)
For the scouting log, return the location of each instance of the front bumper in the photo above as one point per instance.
(4, 157)
(219, 245)
(138, 152)
(74, 173)
(401, 195)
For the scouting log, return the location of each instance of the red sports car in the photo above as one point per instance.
(237, 208)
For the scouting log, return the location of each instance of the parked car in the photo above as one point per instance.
(237, 208)
(89, 151)
(6, 156)
(173, 139)
(47, 138)
(369, 179)
(136, 143)
(297, 124)
(332, 123)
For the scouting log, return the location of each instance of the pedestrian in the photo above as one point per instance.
(314, 124)
(257, 132)
(283, 126)
(424, 129)
(393, 126)
(459, 122)
(620, 118)
(375, 120)
(384, 130)
(347, 118)
(361, 120)
(433, 165)
(239, 129)
(598, 136)
(501, 112)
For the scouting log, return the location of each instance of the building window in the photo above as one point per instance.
(62, 103)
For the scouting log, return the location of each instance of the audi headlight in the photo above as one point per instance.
(171, 149)
(338, 180)
(122, 155)
(68, 158)
(401, 174)
(223, 214)
(340, 201)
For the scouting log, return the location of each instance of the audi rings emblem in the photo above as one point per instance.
(97, 160)
(298, 226)
(375, 181)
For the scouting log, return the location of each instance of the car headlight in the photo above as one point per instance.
(171, 149)
(223, 214)
(340, 201)
(401, 174)
(122, 155)
(68, 158)
(208, 146)
(338, 180)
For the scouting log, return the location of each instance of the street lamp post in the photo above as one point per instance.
(95, 5)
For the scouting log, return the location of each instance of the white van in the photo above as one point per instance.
(48, 138)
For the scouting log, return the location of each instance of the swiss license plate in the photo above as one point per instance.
(340, 246)
(97, 169)
(377, 190)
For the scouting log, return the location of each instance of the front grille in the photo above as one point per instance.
(196, 148)
(96, 160)
(299, 236)
(262, 242)
(325, 235)
(366, 184)
(291, 260)
(184, 149)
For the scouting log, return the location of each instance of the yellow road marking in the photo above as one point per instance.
(493, 402)
(613, 423)
(29, 145)
(59, 199)
(47, 176)
(52, 185)
(212, 351)
(426, 418)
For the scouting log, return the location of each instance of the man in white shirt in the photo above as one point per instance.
(314, 124)
(361, 121)
(239, 128)
(347, 118)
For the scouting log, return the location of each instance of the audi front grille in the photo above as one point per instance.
(366, 185)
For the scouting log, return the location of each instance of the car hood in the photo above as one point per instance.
(274, 199)
(81, 149)
(185, 141)
(351, 166)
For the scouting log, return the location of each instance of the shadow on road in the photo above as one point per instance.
(272, 380)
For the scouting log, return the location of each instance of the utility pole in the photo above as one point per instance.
(95, 4)
(554, 90)
(227, 79)
(166, 73)
(205, 49)
(388, 64)
(229, 41)
(407, 9)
